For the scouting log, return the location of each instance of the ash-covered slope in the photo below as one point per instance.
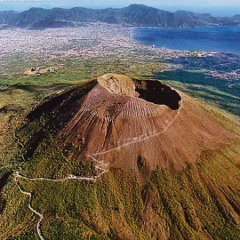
(130, 124)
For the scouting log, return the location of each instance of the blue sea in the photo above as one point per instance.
(214, 39)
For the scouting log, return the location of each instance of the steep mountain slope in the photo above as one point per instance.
(142, 15)
(170, 168)
(8, 17)
(190, 19)
(135, 15)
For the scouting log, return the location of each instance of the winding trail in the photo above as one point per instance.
(32, 209)
(100, 165)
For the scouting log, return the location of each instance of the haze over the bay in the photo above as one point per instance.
(215, 7)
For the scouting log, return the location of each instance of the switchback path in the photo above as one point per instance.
(32, 209)
(100, 165)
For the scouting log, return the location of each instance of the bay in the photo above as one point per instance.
(214, 39)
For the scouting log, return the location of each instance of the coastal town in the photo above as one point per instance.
(54, 46)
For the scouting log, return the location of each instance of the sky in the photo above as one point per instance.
(216, 7)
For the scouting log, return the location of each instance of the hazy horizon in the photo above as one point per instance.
(216, 8)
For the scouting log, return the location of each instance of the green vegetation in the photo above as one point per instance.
(189, 205)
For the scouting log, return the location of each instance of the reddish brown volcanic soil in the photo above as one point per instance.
(132, 124)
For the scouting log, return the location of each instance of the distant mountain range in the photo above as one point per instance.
(134, 15)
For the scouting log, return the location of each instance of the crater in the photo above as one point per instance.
(150, 90)
(157, 93)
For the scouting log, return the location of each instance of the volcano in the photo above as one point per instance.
(123, 158)
(130, 124)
